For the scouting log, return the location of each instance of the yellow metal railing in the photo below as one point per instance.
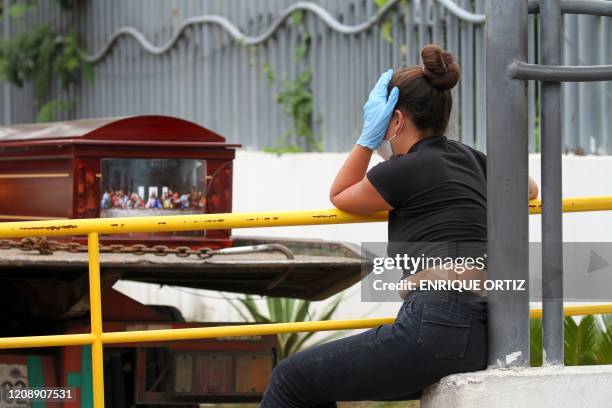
(94, 227)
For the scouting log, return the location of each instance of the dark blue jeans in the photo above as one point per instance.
(435, 334)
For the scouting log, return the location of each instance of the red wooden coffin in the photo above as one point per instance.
(117, 167)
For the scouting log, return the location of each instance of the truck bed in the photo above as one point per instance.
(319, 269)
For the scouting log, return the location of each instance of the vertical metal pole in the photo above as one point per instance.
(571, 130)
(507, 175)
(588, 103)
(552, 240)
(6, 31)
(95, 307)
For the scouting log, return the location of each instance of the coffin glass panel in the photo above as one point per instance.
(148, 187)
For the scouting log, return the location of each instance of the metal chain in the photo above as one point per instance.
(47, 247)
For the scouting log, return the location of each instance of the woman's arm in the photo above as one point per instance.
(533, 189)
(351, 191)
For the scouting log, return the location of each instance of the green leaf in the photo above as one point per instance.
(65, 4)
(298, 344)
(284, 310)
(385, 31)
(603, 351)
(17, 10)
(319, 145)
(72, 63)
(331, 309)
(269, 73)
(297, 17)
(607, 321)
(325, 315)
(535, 339)
(585, 343)
(236, 307)
(570, 339)
(42, 55)
(302, 311)
(251, 306)
(280, 150)
(380, 3)
(580, 341)
(300, 316)
(88, 73)
(275, 307)
(52, 109)
(303, 47)
(288, 305)
(300, 52)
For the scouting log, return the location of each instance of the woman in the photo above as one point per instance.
(435, 190)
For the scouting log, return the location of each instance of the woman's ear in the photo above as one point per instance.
(398, 120)
(396, 124)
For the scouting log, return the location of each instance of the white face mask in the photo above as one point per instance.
(384, 149)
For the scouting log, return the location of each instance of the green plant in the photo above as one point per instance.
(284, 310)
(604, 349)
(52, 109)
(18, 9)
(535, 339)
(42, 55)
(585, 343)
(295, 97)
(385, 25)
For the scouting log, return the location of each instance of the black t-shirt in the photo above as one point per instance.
(438, 194)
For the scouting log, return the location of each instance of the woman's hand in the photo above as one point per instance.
(377, 112)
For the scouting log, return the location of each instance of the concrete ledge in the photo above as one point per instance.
(583, 386)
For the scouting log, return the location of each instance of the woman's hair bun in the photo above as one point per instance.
(439, 67)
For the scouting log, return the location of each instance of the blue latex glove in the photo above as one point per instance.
(377, 112)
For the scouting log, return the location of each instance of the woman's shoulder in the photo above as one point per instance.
(471, 152)
(464, 146)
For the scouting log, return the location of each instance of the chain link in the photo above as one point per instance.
(47, 247)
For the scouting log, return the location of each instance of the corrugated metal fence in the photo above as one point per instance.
(223, 84)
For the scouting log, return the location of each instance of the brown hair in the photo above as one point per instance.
(424, 90)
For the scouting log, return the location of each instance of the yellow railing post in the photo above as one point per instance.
(95, 307)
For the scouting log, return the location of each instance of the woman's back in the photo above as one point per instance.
(437, 190)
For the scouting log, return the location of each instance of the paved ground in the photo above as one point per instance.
(367, 404)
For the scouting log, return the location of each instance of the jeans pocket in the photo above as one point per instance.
(443, 333)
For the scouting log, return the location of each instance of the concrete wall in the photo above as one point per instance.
(266, 182)
(542, 387)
